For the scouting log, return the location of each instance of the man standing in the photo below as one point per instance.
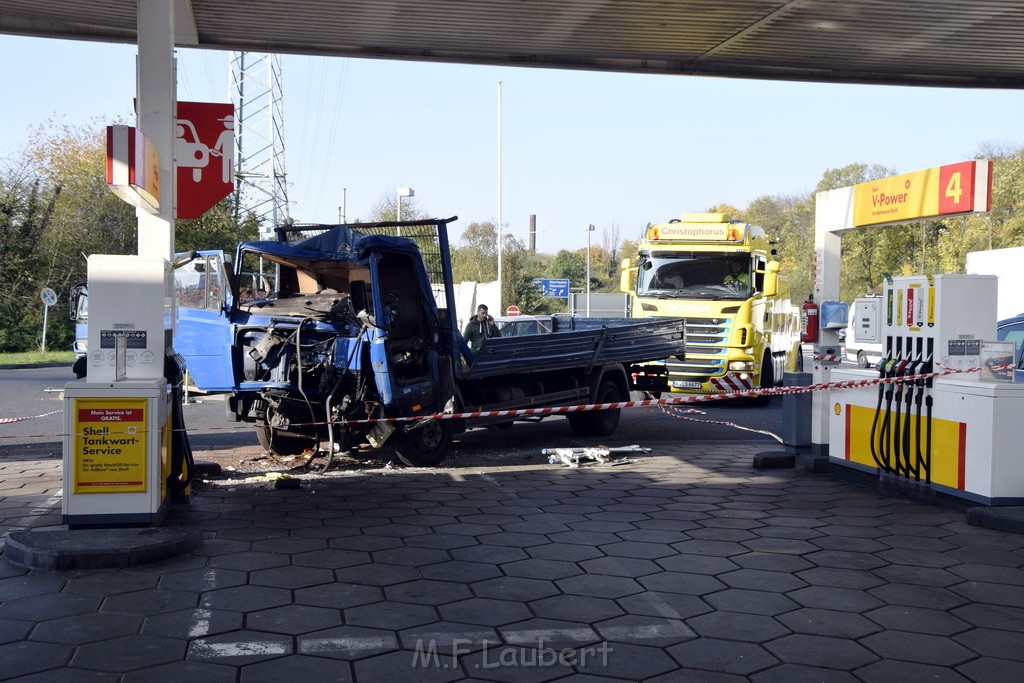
(480, 328)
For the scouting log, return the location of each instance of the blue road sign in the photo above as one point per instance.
(553, 287)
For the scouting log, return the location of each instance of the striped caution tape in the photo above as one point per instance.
(669, 401)
(9, 420)
(680, 414)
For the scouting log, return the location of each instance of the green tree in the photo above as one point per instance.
(216, 229)
(571, 265)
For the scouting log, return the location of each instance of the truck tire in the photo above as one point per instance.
(767, 381)
(424, 446)
(862, 358)
(598, 422)
(276, 442)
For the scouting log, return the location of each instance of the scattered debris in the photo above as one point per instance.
(572, 456)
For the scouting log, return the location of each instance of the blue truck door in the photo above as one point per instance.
(203, 329)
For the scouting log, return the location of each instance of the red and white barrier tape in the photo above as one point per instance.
(9, 420)
(670, 401)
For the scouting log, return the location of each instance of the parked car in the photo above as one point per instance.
(523, 325)
(1012, 329)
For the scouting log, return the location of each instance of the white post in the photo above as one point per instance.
(589, 228)
(46, 315)
(402, 192)
(500, 227)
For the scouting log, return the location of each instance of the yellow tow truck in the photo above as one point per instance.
(719, 274)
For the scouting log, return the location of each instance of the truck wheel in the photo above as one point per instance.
(767, 381)
(598, 422)
(280, 443)
(424, 446)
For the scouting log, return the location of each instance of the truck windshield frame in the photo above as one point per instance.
(691, 275)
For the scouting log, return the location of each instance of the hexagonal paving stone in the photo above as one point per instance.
(798, 673)
(291, 577)
(423, 667)
(550, 633)
(668, 605)
(750, 602)
(331, 558)
(297, 667)
(12, 630)
(205, 579)
(376, 574)
(484, 612)
(843, 599)
(681, 582)
(620, 566)
(248, 561)
(447, 636)
(338, 595)
(514, 588)
(576, 608)
(390, 615)
(293, 619)
(541, 569)
(627, 661)
(238, 648)
(759, 579)
(564, 552)
(27, 586)
(751, 628)
(86, 628)
(183, 671)
(192, 623)
(823, 622)
(714, 548)
(412, 557)
(426, 592)
(918, 647)
(725, 656)
(289, 545)
(889, 670)
(491, 554)
(512, 664)
(27, 657)
(154, 601)
(917, 620)
(919, 596)
(365, 543)
(993, 669)
(856, 579)
(832, 653)
(112, 583)
(644, 630)
(49, 606)
(347, 642)
(457, 570)
(245, 598)
(128, 653)
(992, 643)
(599, 586)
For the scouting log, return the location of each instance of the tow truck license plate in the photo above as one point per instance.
(686, 385)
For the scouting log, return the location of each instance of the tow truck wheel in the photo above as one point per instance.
(279, 443)
(424, 446)
(598, 422)
(767, 381)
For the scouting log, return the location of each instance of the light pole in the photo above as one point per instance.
(589, 228)
(499, 199)
(403, 192)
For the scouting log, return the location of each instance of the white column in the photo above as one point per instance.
(156, 100)
(833, 213)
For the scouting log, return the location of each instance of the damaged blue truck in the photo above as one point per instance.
(320, 333)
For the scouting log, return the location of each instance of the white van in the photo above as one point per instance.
(865, 323)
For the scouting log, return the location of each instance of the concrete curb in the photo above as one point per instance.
(1009, 518)
(33, 366)
(62, 550)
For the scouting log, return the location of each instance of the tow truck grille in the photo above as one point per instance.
(705, 348)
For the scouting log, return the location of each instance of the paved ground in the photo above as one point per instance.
(685, 566)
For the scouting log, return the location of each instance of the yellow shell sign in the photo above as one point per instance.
(940, 191)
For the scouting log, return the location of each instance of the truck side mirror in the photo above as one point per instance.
(771, 283)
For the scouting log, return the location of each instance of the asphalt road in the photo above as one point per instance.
(28, 393)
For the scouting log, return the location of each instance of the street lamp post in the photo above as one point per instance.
(403, 192)
(589, 228)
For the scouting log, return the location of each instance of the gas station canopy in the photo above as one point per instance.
(979, 43)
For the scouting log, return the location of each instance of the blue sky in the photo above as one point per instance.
(577, 147)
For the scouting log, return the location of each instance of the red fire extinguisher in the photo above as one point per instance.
(809, 320)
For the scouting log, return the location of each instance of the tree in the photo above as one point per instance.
(571, 265)
(216, 229)
(476, 257)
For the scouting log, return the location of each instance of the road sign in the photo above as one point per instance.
(512, 311)
(558, 287)
(204, 148)
(48, 296)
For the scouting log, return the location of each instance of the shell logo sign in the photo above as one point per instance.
(948, 190)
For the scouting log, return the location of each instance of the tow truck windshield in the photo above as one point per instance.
(694, 276)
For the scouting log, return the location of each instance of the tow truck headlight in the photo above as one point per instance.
(741, 365)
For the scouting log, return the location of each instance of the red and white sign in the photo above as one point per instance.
(133, 167)
(512, 311)
(204, 151)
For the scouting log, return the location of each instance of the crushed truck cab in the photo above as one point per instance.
(327, 335)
